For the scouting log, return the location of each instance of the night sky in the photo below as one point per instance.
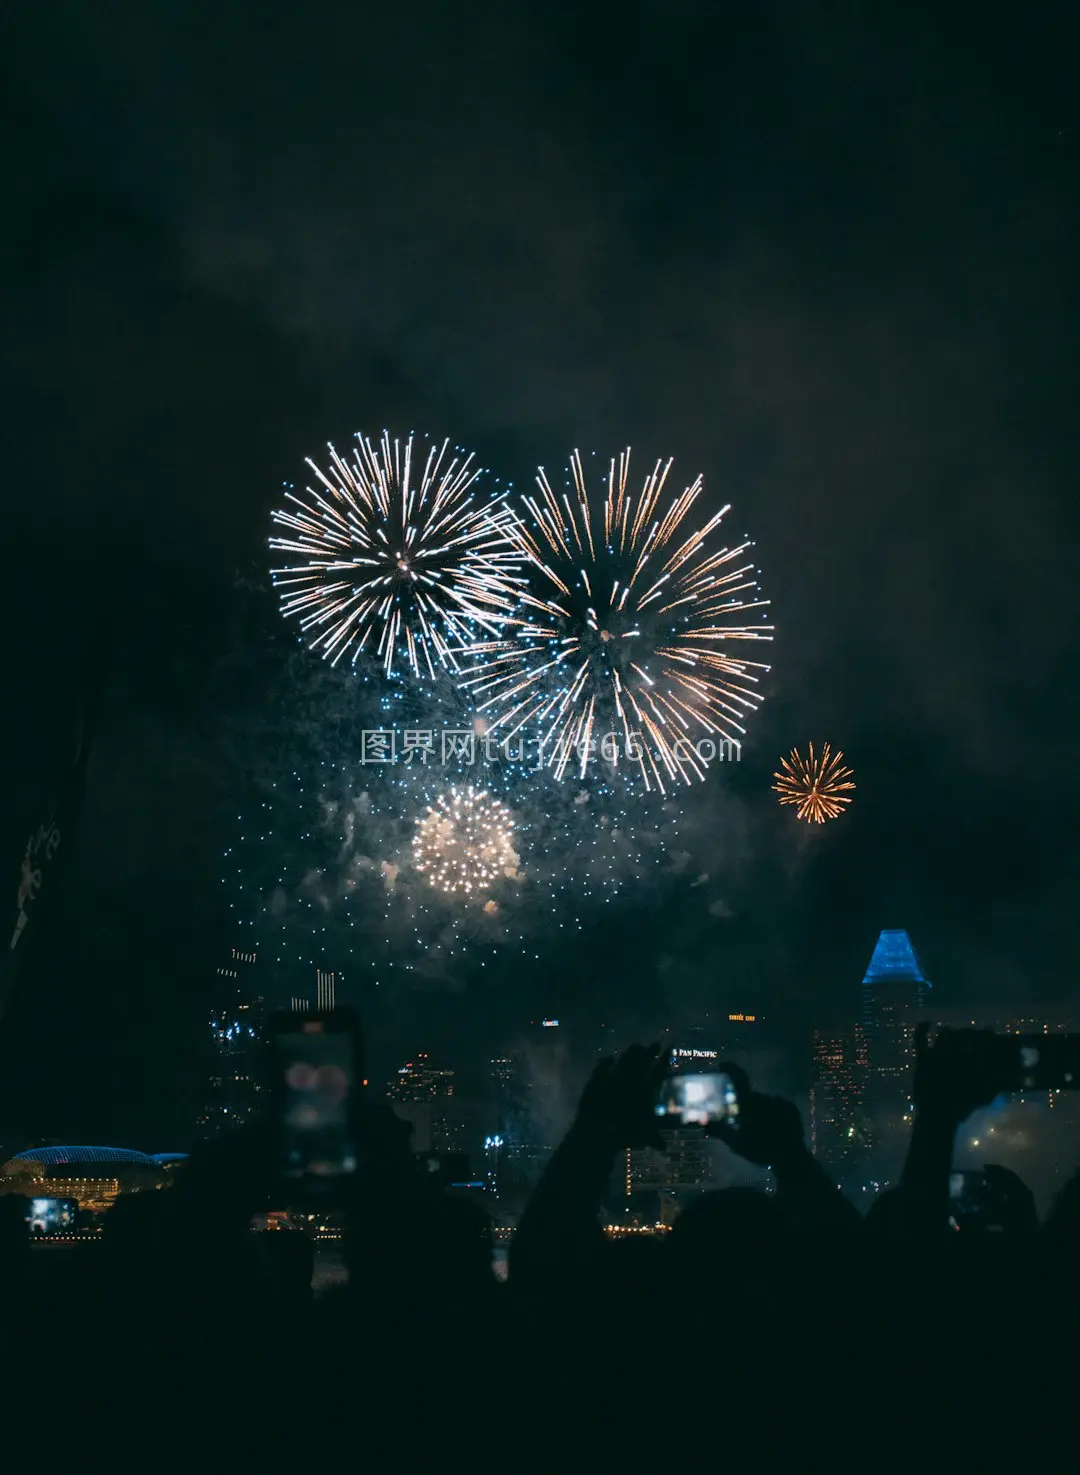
(824, 255)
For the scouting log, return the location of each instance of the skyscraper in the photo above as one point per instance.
(895, 993)
(423, 1096)
(325, 989)
(544, 1066)
(685, 1163)
(839, 1122)
(236, 1088)
(509, 1095)
(325, 993)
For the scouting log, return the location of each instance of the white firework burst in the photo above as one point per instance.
(399, 556)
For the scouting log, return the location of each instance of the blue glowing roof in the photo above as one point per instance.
(169, 1157)
(58, 1157)
(894, 961)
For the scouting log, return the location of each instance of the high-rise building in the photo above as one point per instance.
(325, 989)
(424, 1096)
(839, 1121)
(544, 1064)
(325, 993)
(723, 1034)
(895, 994)
(685, 1163)
(236, 1089)
(508, 1117)
(509, 1101)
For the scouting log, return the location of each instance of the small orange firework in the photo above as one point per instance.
(818, 784)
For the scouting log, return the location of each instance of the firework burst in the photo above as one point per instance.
(464, 843)
(818, 784)
(625, 633)
(398, 558)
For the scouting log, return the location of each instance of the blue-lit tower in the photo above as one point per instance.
(895, 997)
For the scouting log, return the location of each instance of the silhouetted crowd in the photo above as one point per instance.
(766, 1332)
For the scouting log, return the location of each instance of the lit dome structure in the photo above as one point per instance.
(61, 1157)
(93, 1176)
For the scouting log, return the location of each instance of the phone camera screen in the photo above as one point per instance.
(318, 1070)
(696, 1100)
(50, 1215)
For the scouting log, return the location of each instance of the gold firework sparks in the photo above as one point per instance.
(464, 842)
(626, 630)
(398, 557)
(818, 783)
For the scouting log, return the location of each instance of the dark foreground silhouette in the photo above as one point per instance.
(775, 1332)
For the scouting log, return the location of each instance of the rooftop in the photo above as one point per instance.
(59, 1157)
(894, 961)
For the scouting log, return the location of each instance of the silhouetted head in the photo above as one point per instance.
(729, 1240)
(386, 1138)
(743, 1219)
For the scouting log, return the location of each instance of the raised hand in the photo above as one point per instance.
(769, 1131)
(619, 1100)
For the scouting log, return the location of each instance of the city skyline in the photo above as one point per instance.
(501, 1118)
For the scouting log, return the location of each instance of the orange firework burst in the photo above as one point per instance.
(818, 784)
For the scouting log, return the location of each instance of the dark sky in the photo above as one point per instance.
(823, 254)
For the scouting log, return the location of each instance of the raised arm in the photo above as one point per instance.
(559, 1230)
(770, 1134)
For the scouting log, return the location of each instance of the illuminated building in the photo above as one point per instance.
(325, 994)
(92, 1176)
(895, 994)
(236, 1089)
(839, 1124)
(423, 1096)
(509, 1095)
(686, 1162)
(724, 1035)
(508, 1116)
(544, 1068)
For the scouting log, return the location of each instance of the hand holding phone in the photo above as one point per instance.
(317, 1075)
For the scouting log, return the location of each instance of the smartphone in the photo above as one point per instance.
(51, 1215)
(318, 1073)
(1044, 1062)
(696, 1098)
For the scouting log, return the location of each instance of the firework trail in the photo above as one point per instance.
(818, 784)
(399, 558)
(626, 630)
